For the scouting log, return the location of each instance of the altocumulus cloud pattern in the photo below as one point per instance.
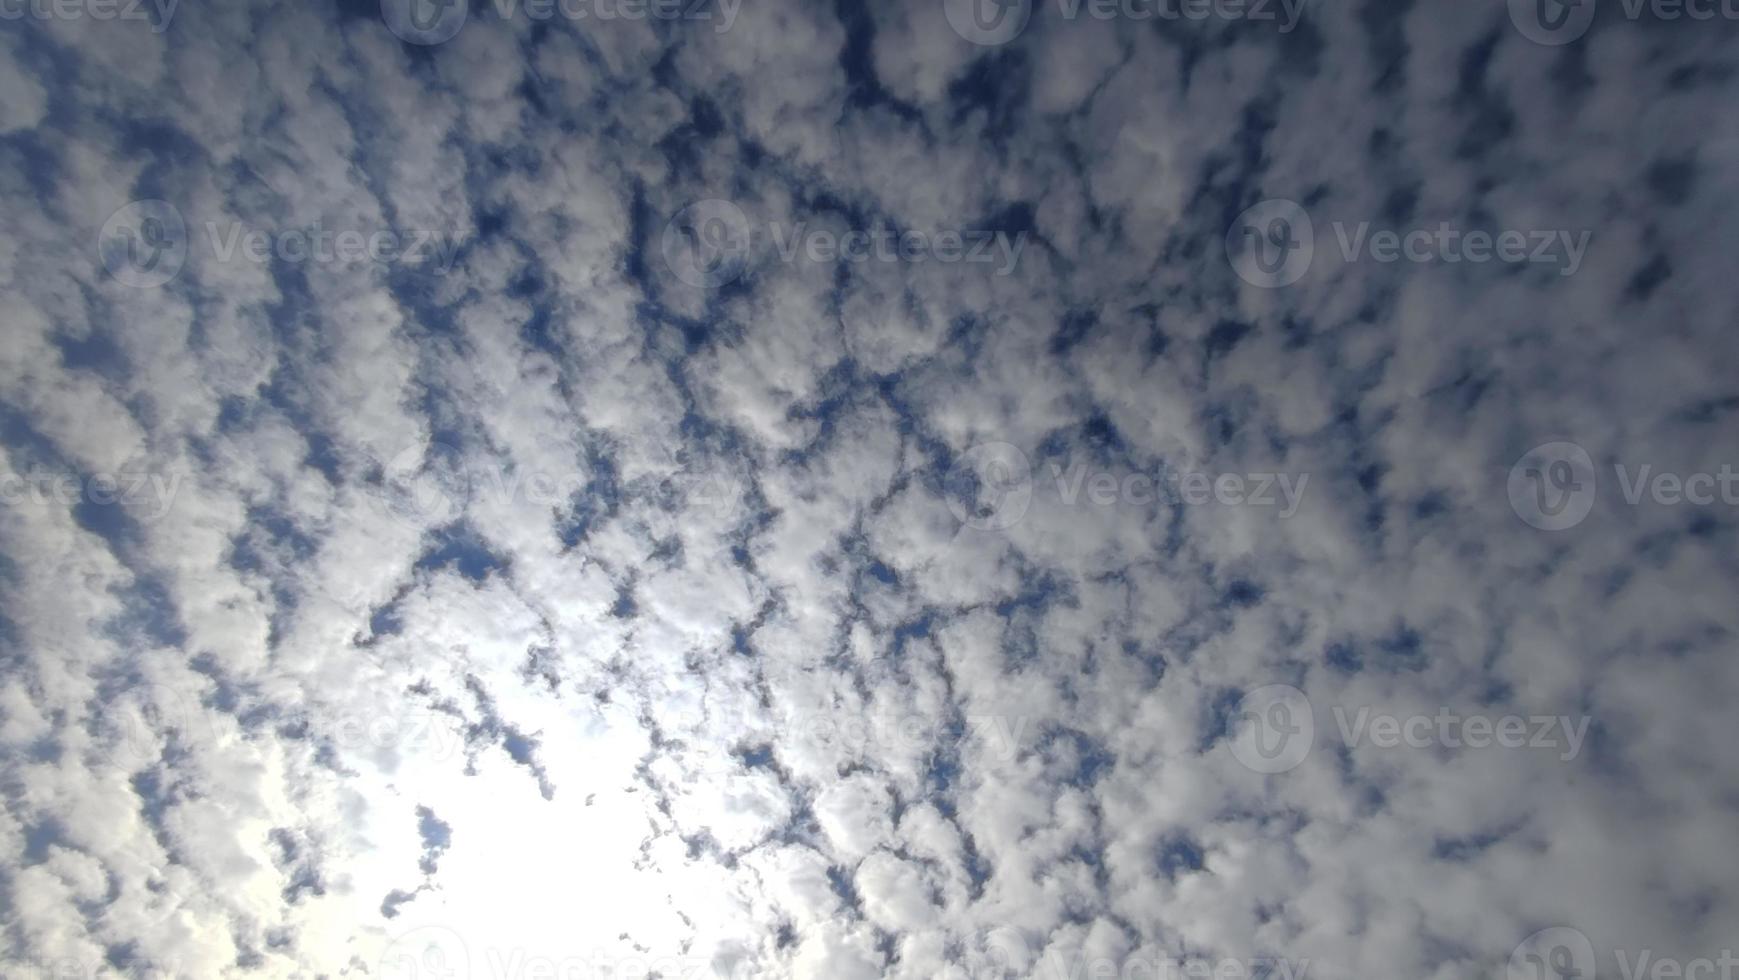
(529, 489)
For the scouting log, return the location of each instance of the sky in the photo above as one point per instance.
(926, 489)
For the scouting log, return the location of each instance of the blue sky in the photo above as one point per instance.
(917, 489)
